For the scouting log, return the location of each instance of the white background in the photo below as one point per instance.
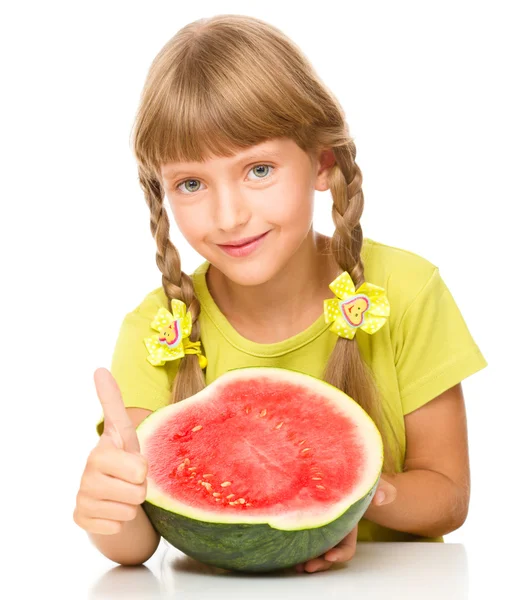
(437, 96)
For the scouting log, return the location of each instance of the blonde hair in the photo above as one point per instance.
(220, 85)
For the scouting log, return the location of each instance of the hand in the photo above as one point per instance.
(345, 550)
(113, 484)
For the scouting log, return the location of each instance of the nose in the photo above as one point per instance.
(232, 208)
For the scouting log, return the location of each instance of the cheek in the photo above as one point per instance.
(291, 206)
(189, 220)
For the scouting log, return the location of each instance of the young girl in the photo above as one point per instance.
(237, 131)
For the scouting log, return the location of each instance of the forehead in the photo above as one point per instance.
(275, 148)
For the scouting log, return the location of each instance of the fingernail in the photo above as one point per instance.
(380, 497)
(333, 558)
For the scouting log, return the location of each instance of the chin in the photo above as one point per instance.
(250, 273)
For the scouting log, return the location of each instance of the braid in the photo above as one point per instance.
(346, 368)
(190, 378)
(346, 212)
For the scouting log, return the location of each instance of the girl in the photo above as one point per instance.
(237, 131)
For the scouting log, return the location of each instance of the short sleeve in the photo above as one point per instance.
(434, 348)
(141, 384)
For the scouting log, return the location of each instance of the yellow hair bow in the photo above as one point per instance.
(366, 307)
(172, 341)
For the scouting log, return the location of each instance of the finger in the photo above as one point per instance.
(101, 526)
(119, 464)
(345, 550)
(317, 564)
(107, 509)
(386, 493)
(110, 488)
(114, 411)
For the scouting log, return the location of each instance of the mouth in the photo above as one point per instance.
(243, 242)
(245, 247)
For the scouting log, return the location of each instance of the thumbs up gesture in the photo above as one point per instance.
(113, 484)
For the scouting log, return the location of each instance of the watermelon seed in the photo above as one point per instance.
(305, 450)
(226, 483)
(279, 425)
(242, 500)
(302, 442)
(249, 504)
(247, 410)
(197, 428)
(205, 475)
(316, 478)
(206, 485)
(230, 496)
(181, 466)
(216, 494)
(187, 461)
(217, 499)
(320, 487)
(233, 503)
(263, 412)
(192, 468)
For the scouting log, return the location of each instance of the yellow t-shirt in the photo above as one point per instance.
(423, 349)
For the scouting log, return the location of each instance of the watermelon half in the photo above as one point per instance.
(261, 470)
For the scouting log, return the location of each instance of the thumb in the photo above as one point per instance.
(117, 424)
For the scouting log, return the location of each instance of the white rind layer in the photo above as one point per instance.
(288, 520)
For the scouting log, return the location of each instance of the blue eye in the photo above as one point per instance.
(187, 180)
(189, 192)
(260, 166)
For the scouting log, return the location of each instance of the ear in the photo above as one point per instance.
(324, 165)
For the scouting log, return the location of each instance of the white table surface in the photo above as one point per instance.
(378, 570)
(391, 570)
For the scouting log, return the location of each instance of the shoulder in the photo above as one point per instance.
(147, 307)
(150, 304)
(403, 273)
(397, 263)
(137, 321)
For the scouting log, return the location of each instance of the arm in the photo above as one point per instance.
(138, 540)
(433, 491)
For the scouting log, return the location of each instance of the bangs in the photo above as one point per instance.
(216, 107)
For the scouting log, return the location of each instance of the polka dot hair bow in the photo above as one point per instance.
(172, 340)
(366, 307)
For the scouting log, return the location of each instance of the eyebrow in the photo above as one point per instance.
(258, 154)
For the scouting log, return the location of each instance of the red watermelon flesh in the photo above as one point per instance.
(280, 452)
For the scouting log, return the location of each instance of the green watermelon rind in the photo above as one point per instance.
(253, 547)
(251, 543)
